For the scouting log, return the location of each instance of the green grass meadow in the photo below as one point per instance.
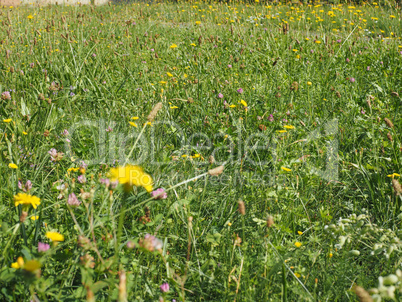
(298, 106)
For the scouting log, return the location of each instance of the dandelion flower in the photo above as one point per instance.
(173, 46)
(32, 266)
(54, 236)
(130, 176)
(12, 166)
(286, 169)
(298, 244)
(26, 199)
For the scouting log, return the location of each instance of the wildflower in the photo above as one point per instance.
(309, 83)
(243, 102)
(133, 124)
(73, 200)
(151, 243)
(240, 90)
(82, 179)
(159, 194)
(30, 17)
(300, 232)
(65, 132)
(220, 95)
(289, 127)
(54, 155)
(18, 264)
(33, 218)
(393, 175)
(298, 244)
(130, 176)
(352, 80)
(27, 187)
(169, 74)
(229, 66)
(347, 60)
(32, 266)
(173, 46)
(286, 169)
(6, 95)
(54, 236)
(271, 118)
(368, 68)
(297, 275)
(12, 166)
(26, 200)
(7, 120)
(164, 287)
(109, 129)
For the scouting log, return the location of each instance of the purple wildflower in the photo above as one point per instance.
(220, 95)
(240, 90)
(73, 200)
(43, 247)
(82, 179)
(159, 194)
(164, 287)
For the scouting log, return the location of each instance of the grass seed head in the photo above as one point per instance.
(154, 112)
(242, 207)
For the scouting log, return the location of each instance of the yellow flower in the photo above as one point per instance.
(135, 118)
(286, 169)
(25, 133)
(309, 83)
(174, 107)
(18, 264)
(298, 244)
(229, 223)
(193, 44)
(330, 255)
(26, 199)
(130, 176)
(281, 131)
(162, 82)
(393, 175)
(32, 266)
(318, 42)
(54, 236)
(72, 169)
(297, 275)
(35, 217)
(30, 17)
(300, 232)
(232, 106)
(243, 102)
(198, 22)
(392, 16)
(7, 120)
(289, 127)
(169, 74)
(173, 46)
(133, 124)
(12, 166)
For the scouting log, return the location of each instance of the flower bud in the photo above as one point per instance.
(390, 280)
(354, 253)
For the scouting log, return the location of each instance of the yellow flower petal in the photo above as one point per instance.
(12, 166)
